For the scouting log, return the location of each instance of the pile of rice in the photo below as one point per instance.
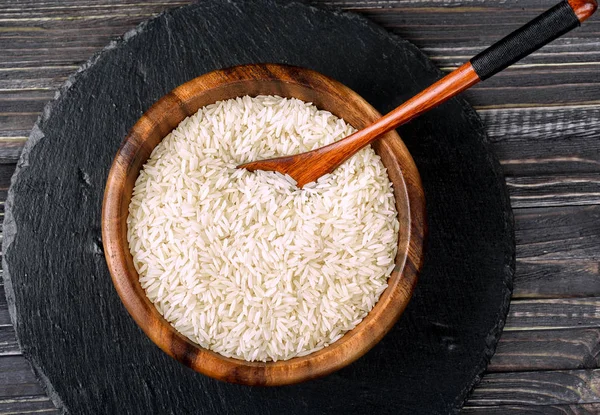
(246, 264)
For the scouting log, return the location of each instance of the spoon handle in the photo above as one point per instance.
(551, 24)
(560, 19)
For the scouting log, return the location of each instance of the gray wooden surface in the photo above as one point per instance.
(543, 116)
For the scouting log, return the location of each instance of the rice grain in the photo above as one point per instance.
(246, 264)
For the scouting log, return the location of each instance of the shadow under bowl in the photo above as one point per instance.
(253, 80)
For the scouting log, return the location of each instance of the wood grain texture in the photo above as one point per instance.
(559, 233)
(538, 388)
(16, 378)
(36, 404)
(8, 341)
(4, 316)
(291, 82)
(558, 252)
(545, 141)
(520, 351)
(551, 278)
(554, 190)
(553, 313)
(564, 409)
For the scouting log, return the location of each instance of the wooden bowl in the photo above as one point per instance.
(262, 79)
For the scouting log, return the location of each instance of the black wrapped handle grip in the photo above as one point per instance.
(557, 21)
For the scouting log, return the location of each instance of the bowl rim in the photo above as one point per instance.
(325, 361)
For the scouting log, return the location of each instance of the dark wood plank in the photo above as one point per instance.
(69, 4)
(10, 150)
(42, 77)
(558, 233)
(24, 100)
(537, 141)
(520, 351)
(8, 342)
(4, 316)
(538, 388)
(74, 9)
(569, 232)
(16, 378)
(17, 121)
(36, 404)
(515, 94)
(551, 278)
(554, 190)
(539, 5)
(6, 172)
(553, 314)
(464, 24)
(423, 18)
(558, 252)
(572, 409)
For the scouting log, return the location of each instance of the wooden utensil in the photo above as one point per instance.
(565, 16)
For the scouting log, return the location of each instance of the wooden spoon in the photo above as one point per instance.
(565, 16)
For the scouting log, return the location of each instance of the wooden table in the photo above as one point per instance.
(542, 115)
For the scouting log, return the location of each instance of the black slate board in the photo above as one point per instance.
(83, 345)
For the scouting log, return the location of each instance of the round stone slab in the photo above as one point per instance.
(71, 325)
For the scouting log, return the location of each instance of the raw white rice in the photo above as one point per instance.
(246, 264)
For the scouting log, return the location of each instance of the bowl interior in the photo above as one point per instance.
(254, 80)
